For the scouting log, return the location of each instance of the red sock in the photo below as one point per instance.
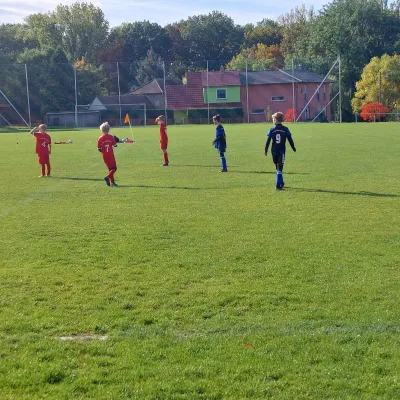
(166, 158)
(43, 169)
(111, 175)
(48, 168)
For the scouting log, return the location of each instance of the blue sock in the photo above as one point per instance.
(223, 162)
(279, 179)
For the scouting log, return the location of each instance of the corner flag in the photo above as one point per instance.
(127, 120)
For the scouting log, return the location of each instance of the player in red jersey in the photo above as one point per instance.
(105, 145)
(163, 139)
(43, 148)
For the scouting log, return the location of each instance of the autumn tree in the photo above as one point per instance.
(258, 58)
(379, 83)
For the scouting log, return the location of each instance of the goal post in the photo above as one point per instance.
(115, 113)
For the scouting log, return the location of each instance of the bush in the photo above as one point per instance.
(373, 112)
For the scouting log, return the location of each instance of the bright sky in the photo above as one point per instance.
(161, 11)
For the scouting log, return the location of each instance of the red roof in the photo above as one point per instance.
(221, 78)
(186, 96)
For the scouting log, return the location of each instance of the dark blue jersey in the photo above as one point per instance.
(220, 139)
(278, 135)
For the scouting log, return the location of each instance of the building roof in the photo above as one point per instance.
(186, 96)
(125, 99)
(220, 78)
(156, 86)
(280, 77)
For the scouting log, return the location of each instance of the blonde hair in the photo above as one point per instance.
(105, 127)
(278, 116)
(43, 126)
(161, 118)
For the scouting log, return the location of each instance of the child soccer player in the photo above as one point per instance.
(220, 141)
(278, 134)
(105, 145)
(43, 148)
(163, 139)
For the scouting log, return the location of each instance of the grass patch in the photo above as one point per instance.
(207, 285)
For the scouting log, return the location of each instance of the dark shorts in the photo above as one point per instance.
(278, 159)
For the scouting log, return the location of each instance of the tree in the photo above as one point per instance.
(380, 82)
(259, 57)
(266, 32)
(84, 30)
(130, 42)
(149, 68)
(373, 112)
(212, 37)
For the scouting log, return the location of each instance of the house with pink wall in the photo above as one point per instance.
(272, 91)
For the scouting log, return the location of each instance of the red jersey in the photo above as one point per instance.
(163, 132)
(105, 144)
(43, 140)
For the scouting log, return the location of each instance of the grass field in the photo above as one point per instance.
(202, 285)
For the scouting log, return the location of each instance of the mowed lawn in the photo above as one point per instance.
(195, 284)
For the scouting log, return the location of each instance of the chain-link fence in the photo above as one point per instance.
(187, 92)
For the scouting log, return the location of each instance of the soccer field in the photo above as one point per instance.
(188, 283)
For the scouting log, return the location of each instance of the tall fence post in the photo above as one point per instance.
(247, 94)
(119, 96)
(76, 98)
(208, 98)
(293, 93)
(27, 96)
(165, 94)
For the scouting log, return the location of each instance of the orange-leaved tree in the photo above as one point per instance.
(373, 112)
(290, 115)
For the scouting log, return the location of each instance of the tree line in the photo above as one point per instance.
(79, 34)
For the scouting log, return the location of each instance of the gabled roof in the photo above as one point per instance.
(279, 77)
(156, 86)
(186, 96)
(220, 78)
(125, 99)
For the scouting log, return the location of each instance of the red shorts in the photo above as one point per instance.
(111, 165)
(164, 144)
(43, 159)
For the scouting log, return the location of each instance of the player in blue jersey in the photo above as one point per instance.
(220, 141)
(278, 135)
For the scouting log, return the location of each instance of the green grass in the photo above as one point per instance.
(207, 285)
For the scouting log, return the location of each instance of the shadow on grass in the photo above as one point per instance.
(270, 172)
(216, 166)
(162, 187)
(361, 193)
(79, 179)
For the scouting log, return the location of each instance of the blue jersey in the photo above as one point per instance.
(220, 139)
(278, 135)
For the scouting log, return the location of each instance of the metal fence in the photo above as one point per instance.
(187, 92)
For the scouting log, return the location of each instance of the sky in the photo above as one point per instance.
(161, 11)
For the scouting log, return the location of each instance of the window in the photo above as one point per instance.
(305, 93)
(308, 113)
(258, 111)
(324, 92)
(221, 94)
(278, 98)
(318, 95)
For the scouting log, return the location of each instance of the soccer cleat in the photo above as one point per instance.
(164, 165)
(224, 170)
(280, 187)
(41, 176)
(113, 184)
(107, 179)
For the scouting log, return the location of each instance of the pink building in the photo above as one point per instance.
(272, 91)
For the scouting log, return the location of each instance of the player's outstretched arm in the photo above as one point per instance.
(33, 130)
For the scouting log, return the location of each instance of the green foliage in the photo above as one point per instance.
(207, 285)
(212, 37)
(380, 82)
